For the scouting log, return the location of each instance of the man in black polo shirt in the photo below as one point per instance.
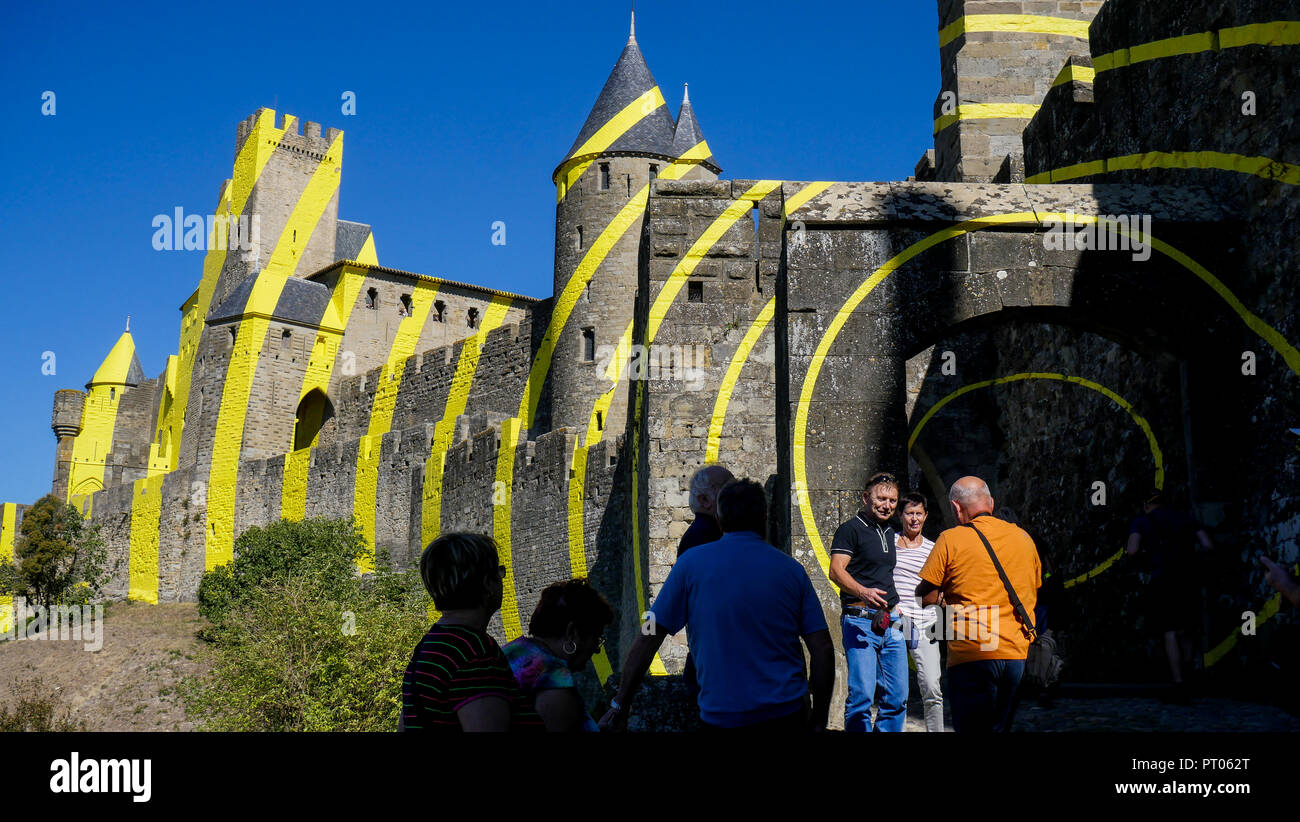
(862, 565)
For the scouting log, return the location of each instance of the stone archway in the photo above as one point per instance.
(314, 411)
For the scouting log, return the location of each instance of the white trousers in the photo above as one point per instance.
(926, 659)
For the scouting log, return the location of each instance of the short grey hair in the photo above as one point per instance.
(708, 479)
(970, 493)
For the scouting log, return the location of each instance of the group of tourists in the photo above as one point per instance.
(750, 612)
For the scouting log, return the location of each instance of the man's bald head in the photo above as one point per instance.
(705, 485)
(970, 496)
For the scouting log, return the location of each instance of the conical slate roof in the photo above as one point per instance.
(688, 135)
(121, 366)
(615, 124)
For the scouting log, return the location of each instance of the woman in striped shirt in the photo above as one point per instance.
(913, 549)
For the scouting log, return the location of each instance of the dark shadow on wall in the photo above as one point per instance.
(1154, 334)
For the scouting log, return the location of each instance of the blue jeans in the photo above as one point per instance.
(981, 694)
(874, 661)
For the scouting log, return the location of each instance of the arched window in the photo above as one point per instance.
(577, 238)
(588, 344)
(372, 299)
(472, 318)
(285, 339)
(604, 176)
(438, 308)
(314, 411)
(405, 308)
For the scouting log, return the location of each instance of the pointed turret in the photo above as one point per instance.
(121, 366)
(687, 136)
(630, 117)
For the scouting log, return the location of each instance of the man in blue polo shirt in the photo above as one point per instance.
(745, 606)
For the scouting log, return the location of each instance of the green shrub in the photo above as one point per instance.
(300, 642)
(37, 710)
(326, 549)
(293, 657)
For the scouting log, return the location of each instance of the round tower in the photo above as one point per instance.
(66, 422)
(602, 187)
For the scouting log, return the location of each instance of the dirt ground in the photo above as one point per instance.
(129, 684)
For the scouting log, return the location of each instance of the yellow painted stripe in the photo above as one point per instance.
(8, 525)
(164, 452)
(1141, 421)
(1264, 614)
(389, 383)
(577, 510)
(737, 364)
(91, 447)
(803, 196)
(445, 429)
(1157, 456)
(1070, 73)
(510, 430)
(244, 356)
(146, 505)
(1262, 167)
(254, 154)
(293, 488)
(1104, 566)
(1269, 334)
(752, 335)
(667, 295)
(626, 218)
(618, 125)
(1013, 23)
(987, 111)
(513, 428)
(1275, 33)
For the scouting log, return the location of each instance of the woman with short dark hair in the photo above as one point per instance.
(567, 628)
(458, 678)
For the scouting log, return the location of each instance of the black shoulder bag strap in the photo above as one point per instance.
(1028, 623)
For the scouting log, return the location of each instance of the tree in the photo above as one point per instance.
(59, 557)
(298, 641)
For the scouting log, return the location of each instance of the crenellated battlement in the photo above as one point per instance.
(298, 137)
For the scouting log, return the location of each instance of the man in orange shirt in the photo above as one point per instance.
(989, 636)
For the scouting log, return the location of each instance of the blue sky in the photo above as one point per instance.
(463, 111)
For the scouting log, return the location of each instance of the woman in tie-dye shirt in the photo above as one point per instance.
(566, 630)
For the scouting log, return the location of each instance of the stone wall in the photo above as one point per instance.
(689, 359)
